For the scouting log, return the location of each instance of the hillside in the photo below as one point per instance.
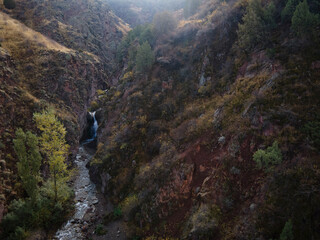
(81, 25)
(176, 142)
(38, 73)
(208, 115)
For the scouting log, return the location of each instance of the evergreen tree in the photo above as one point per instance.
(9, 4)
(257, 21)
(53, 145)
(27, 150)
(289, 9)
(287, 233)
(303, 21)
(144, 58)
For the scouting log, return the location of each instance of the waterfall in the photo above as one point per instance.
(93, 129)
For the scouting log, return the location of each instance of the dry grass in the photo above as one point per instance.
(15, 33)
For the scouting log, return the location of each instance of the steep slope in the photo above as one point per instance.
(81, 25)
(176, 143)
(38, 72)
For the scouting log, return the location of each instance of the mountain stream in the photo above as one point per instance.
(85, 191)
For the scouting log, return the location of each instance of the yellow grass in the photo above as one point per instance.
(13, 32)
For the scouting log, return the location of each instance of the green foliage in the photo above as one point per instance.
(287, 233)
(312, 129)
(203, 221)
(20, 214)
(9, 4)
(289, 9)
(113, 216)
(268, 158)
(30, 214)
(27, 150)
(128, 47)
(190, 7)
(64, 192)
(117, 212)
(257, 22)
(144, 58)
(164, 23)
(303, 21)
(147, 35)
(53, 145)
(100, 230)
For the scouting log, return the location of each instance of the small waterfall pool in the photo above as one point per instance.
(85, 192)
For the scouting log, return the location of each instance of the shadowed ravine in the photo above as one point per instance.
(85, 192)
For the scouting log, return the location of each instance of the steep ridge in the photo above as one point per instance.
(176, 142)
(81, 25)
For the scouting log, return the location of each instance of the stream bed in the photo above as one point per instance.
(85, 199)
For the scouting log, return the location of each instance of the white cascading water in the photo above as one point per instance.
(85, 192)
(93, 129)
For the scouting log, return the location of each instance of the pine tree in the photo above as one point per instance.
(144, 58)
(251, 31)
(303, 21)
(53, 145)
(257, 22)
(27, 150)
(289, 9)
(287, 233)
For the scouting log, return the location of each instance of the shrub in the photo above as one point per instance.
(117, 212)
(312, 129)
(129, 204)
(268, 158)
(20, 215)
(100, 230)
(303, 21)
(9, 4)
(203, 222)
(287, 233)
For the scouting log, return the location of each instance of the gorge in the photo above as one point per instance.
(159, 120)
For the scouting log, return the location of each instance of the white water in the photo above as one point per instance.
(85, 194)
(93, 129)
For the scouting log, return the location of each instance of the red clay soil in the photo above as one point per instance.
(208, 170)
